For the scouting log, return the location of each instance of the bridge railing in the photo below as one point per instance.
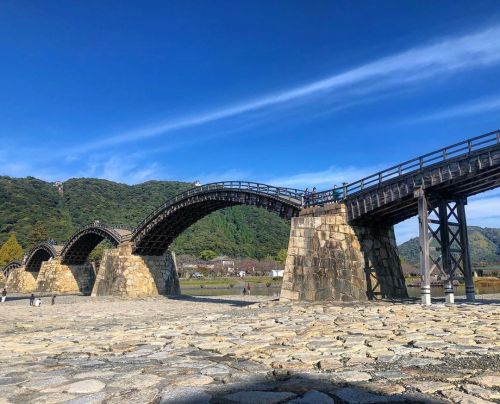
(293, 194)
(104, 225)
(447, 153)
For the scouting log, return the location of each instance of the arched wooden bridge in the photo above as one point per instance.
(435, 185)
(155, 233)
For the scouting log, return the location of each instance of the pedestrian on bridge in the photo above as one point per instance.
(4, 295)
(306, 197)
(313, 196)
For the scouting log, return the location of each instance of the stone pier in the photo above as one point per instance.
(123, 274)
(329, 259)
(60, 278)
(21, 281)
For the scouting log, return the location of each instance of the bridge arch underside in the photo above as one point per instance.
(37, 256)
(78, 248)
(154, 237)
(9, 267)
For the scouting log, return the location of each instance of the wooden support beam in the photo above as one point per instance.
(423, 217)
(466, 260)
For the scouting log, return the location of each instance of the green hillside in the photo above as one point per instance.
(484, 246)
(238, 231)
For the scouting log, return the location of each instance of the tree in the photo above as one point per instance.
(37, 235)
(207, 255)
(281, 255)
(11, 250)
(98, 251)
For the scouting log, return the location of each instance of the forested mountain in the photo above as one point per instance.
(484, 246)
(237, 231)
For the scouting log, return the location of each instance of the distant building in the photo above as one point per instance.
(224, 264)
(59, 186)
(277, 273)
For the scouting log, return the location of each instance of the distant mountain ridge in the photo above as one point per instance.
(484, 246)
(239, 231)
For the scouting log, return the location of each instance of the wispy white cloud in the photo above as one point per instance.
(448, 55)
(118, 168)
(471, 108)
(325, 179)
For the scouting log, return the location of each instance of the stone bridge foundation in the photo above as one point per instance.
(21, 281)
(329, 259)
(123, 274)
(60, 278)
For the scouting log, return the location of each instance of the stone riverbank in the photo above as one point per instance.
(247, 350)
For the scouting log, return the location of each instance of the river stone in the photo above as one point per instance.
(96, 398)
(487, 380)
(261, 397)
(7, 381)
(351, 395)
(184, 395)
(85, 387)
(38, 384)
(313, 397)
(351, 376)
(197, 380)
(463, 398)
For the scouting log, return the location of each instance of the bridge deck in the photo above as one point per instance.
(460, 170)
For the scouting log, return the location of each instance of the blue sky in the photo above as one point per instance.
(292, 93)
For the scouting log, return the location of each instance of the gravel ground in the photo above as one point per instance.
(247, 349)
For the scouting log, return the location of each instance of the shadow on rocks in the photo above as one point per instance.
(203, 299)
(283, 387)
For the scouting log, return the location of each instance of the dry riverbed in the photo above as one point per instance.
(247, 350)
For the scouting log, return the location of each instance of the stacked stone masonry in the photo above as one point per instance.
(57, 277)
(120, 274)
(22, 281)
(123, 274)
(330, 259)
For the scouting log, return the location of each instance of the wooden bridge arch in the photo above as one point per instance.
(41, 252)
(9, 267)
(79, 246)
(161, 227)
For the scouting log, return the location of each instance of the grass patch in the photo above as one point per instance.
(226, 282)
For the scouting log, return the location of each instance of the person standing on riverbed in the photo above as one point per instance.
(248, 288)
(32, 299)
(4, 295)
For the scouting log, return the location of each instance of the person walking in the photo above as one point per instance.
(248, 288)
(53, 301)
(306, 197)
(244, 291)
(4, 295)
(32, 299)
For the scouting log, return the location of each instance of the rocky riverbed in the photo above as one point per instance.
(247, 350)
